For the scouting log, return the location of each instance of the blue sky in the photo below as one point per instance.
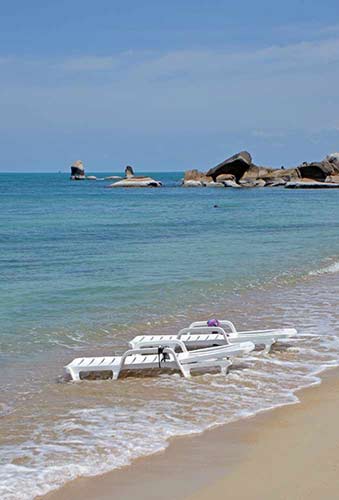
(167, 85)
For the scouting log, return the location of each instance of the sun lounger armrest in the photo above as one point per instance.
(132, 352)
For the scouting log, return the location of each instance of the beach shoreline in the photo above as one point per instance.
(115, 275)
(276, 450)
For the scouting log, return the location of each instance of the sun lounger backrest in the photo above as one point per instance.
(222, 323)
(204, 330)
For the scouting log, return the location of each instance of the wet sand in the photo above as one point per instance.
(290, 453)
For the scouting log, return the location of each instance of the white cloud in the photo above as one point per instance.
(273, 88)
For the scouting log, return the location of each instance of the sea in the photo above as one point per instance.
(85, 268)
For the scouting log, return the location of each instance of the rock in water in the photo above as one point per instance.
(225, 177)
(129, 172)
(256, 172)
(333, 158)
(311, 184)
(132, 180)
(192, 183)
(194, 178)
(231, 184)
(317, 171)
(78, 171)
(136, 182)
(236, 165)
(333, 179)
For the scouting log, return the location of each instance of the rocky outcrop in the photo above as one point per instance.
(129, 172)
(78, 172)
(333, 158)
(256, 172)
(132, 180)
(317, 171)
(279, 177)
(320, 170)
(194, 178)
(236, 165)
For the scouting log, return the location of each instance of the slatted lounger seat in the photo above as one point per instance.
(163, 357)
(199, 335)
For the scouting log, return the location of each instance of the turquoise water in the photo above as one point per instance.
(84, 268)
(76, 256)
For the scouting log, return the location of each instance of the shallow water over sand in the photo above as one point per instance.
(90, 269)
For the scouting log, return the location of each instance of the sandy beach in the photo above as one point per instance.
(289, 453)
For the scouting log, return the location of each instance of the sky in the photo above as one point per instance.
(167, 86)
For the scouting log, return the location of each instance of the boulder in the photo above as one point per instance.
(317, 171)
(248, 183)
(333, 158)
(129, 172)
(225, 177)
(192, 183)
(255, 172)
(275, 182)
(283, 174)
(194, 176)
(236, 165)
(212, 184)
(333, 178)
(78, 171)
(231, 184)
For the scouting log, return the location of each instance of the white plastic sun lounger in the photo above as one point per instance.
(199, 335)
(163, 357)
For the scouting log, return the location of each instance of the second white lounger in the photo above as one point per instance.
(163, 357)
(199, 335)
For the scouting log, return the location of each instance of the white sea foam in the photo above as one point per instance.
(330, 269)
(104, 425)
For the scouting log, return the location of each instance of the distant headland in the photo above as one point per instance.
(238, 171)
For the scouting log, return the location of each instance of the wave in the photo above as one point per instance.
(330, 269)
(103, 427)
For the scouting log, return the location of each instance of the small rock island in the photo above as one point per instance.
(78, 172)
(132, 180)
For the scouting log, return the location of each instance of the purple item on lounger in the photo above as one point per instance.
(213, 322)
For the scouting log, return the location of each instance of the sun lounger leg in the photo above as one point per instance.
(186, 372)
(74, 374)
(268, 346)
(224, 367)
(115, 374)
